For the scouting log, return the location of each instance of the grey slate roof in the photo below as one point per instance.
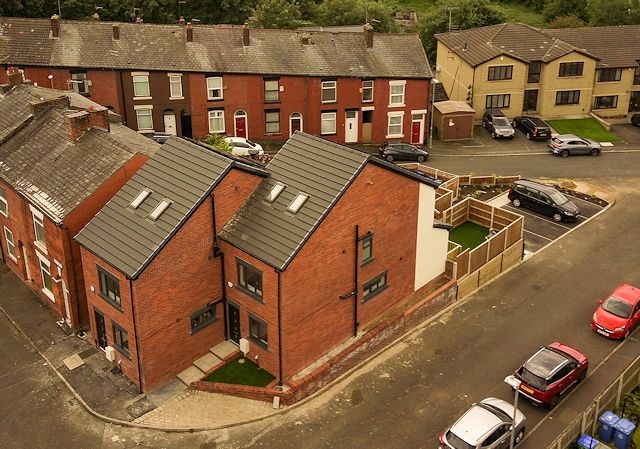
(41, 163)
(526, 43)
(306, 164)
(180, 171)
(215, 48)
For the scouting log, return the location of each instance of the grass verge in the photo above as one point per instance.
(588, 128)
(241, 373)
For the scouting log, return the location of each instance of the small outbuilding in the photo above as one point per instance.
(453, 120)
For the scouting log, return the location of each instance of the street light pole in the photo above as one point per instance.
(514, 383)
(433, 90)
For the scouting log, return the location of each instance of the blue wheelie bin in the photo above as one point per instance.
(608, 421)
(587, 442)
(623, 432)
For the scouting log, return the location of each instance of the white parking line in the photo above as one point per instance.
(537, 235)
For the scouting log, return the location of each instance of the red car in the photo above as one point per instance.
(617, 315)
(550, 372)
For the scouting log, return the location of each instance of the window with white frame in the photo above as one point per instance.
(271, 91)
(216, 121)
(38, 228)
(4, 205)
(272, 121)
(396, 93)
(394, 126)
(79, 82)
(367, 91)
(47, 280)
(328, 123)
(144, 117)
(214, 88)
(141, 84)
(329, 93)
(11, 245)
(175, 86)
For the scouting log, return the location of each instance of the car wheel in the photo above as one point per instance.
(594, 152)
(389, 157)
(626, 334)
(519, 437)
(553, 402)
(516, 202)
(583, 376)
(494, 135)
(528, 136)
(564, 153)
(420, 158)
(557, 217)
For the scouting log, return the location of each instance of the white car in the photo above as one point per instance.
(485, 425)
(243, 147)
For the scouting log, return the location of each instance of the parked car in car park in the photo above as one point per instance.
(401, 151)
(534, 128)
(551, 372)
(544, 199)
(243, 147)
(617, 315)
(485, 425)
(497, 124)
(635, 119)
(569, 144)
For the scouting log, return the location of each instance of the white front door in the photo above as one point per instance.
(170, 124)
(65, 294)
(351, 127)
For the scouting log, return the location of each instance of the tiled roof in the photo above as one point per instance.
(182, 172)
(215, 48)
(40, 162)
(479, 45)
(308, 165)
(616, 46)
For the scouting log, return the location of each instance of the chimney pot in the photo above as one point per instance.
(99, 117)
(368, 35)
(245, 34)
(77, 125)
(189, 32)
(14, 76)
(116, 32)
(305, 38)
(55, 26)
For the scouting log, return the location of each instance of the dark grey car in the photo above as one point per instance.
(401, 151)
(497, 124)
(544, 199)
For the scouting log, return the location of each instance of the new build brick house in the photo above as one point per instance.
(62, 159)
(551, 72)
(263, 84)
(198, 248)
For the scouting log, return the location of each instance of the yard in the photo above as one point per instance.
(588, 128)
(241, 372)
(468, 235)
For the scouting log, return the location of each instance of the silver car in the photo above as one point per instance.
(485, 425)
(567, 144)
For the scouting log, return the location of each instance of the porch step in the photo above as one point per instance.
(191, 374)
(224, 349)
(207, 362)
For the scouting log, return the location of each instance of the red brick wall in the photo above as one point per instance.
(231, 193)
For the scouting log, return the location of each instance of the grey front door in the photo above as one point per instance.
(101, 329)
(234, 322)
(530, 100)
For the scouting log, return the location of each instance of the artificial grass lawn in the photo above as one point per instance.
(247, 373)
(468, 235)
(588, 128)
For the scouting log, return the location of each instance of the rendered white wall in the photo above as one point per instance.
(431, 243)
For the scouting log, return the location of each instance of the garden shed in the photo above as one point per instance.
(453, 120)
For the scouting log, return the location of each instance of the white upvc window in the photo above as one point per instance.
(367, 91)
(11, 245)
(144, 116)
(328, 123)
(329, 91)
(47, 280)
(394, 124)
(214, 88)
(141, 88)
(396, 93)
(38, 228)
(216, 121)
(4, 205)
(175, 86)
(79, 82)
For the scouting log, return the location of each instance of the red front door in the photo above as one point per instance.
(415, 132)
(241, 126)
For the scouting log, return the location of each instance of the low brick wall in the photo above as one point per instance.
(396, 324)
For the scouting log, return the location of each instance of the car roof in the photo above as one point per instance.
(235, 139)
(475, 423)
(536, 120)
(537, 185)
(627, 293)
(568, 137)
(547, 361)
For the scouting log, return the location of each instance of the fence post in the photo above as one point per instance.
(619, 391)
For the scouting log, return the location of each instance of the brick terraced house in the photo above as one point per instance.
(61, 160)
(262, 84)
(551, 73)
(295, 258)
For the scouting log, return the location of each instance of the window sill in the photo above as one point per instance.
(367, 262)
(3, 214)
(176, 98)
(203, 326)
(397, 105)
(13, 258)
(273, 134)
(261, 344)
(248, 292)
(110, 301)
(122, 351)
(374, 294)
(142, 98)
(329, 134)
(41, 247)
(49, 294)
(215, 99)
(146, 130)
(394, 136)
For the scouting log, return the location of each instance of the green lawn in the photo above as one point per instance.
(588, 128)
(247, 373)
(468, 235)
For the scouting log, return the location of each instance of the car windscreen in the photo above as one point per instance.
(557, 197)
(531, 379)
(501, 121)
(457, 442)
(617, 307)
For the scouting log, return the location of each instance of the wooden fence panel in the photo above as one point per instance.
(478, 256)
(512, 255)
(463, 264)
(489, 270)
(467, 285)
(496, 244)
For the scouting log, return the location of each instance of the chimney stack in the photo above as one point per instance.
(245, 34)
(189, 32)
(99, 117)
(368, 35)
(77, 125)
(305, 38)
(116, 32)
(14, 76)
(55, 26)
(38, 106)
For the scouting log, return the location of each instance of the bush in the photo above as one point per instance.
(217, 141)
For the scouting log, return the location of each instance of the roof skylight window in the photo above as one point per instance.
(137, 201)
(297, 203)
(275, 191)
(160, 208)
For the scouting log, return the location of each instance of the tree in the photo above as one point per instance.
(566, 22)
(379, 13)
(612, 12)
(559, 8)
(225, 11)
(276, 14)
(465, 14)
